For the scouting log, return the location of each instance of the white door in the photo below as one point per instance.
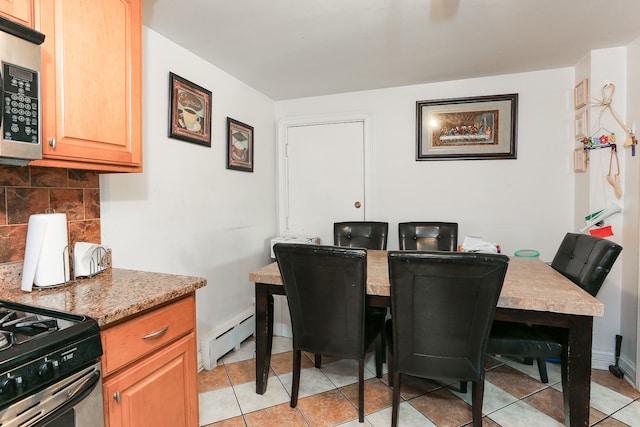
(325, 181)
(323, 167)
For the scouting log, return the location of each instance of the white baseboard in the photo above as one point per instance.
(226, 337)
(603, 359)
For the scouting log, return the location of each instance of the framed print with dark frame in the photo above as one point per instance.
(189, 111)
(474, 128)
(239, 146)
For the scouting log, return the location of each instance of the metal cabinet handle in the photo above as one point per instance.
(52, 142)
(156, 333)
(116, 396)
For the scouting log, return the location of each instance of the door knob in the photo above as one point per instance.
(357, 205)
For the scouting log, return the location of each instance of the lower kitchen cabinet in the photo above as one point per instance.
(157, 392)
(150, 368)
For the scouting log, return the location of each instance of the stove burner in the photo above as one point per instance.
(6, 339)
(19, 326)
(40, 347)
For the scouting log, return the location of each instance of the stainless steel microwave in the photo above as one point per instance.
(20, 93)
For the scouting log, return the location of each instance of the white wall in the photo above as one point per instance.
(523, 203)
(186, 213)
(606, 66)
(593, 191)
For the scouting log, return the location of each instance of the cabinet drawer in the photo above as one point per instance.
(144, 334)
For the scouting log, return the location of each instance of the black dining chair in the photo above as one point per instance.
(361, 234)
(585, 260)
(443, 305)
(325, 288)
(428, 236)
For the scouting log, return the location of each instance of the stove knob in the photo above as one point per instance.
(45, 370)
(8, 388)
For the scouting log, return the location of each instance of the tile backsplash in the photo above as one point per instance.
(31, 190)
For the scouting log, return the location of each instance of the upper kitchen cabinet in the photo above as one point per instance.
(92, 84)
(20, 11)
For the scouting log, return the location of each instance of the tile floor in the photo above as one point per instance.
(513, 396)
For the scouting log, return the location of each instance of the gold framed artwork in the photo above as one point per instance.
(482, 127)
(582, 124)
(580, 160)
(581, 94)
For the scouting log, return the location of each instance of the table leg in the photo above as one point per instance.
(264, 336)
(576, 373)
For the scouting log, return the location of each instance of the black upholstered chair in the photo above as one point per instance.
(428, 236)
(361, 234)
(325, 288)
(443, 305)
(585, 260)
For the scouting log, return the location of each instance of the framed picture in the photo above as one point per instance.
(580, 160)
(582, 124)
(189, 111)
(239, 146)
(482, 127)
(581, 94)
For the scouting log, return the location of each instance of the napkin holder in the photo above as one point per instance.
(89, 259)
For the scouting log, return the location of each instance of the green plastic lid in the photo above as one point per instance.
(527, 253)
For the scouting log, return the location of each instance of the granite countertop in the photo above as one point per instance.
(108, 297)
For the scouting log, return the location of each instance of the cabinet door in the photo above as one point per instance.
(20, 11)
(91, 74)
(160, 390)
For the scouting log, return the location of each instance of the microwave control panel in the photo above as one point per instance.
(20, 98)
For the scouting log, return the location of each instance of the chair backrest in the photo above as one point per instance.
(586, 260)
(325, 288)
(361, 234)
(428, 236)
(443, 306)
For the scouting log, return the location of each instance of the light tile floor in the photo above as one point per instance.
(513, 396)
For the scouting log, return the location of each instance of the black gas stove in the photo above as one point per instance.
(40, 347)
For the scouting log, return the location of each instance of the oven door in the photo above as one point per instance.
(72, 401)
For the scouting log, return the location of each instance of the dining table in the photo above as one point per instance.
(533, 292)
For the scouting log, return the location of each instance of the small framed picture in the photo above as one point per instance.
(189, 111)
(580, 160)
(581, 94)
(582, 124)
(239, 146)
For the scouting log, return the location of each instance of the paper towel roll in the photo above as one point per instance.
(46, 260)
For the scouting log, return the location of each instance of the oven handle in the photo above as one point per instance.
(74, 396)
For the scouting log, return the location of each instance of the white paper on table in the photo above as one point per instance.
(476, 244)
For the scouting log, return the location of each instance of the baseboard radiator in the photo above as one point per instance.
(226, 337)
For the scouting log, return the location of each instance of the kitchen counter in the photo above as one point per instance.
(108, 297)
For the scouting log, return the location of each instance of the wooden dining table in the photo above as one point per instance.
(533, 292)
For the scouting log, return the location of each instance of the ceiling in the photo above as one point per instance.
(297, 48)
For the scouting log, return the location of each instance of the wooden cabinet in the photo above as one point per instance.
(150, 368)
(20, 11)
(91, 84)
